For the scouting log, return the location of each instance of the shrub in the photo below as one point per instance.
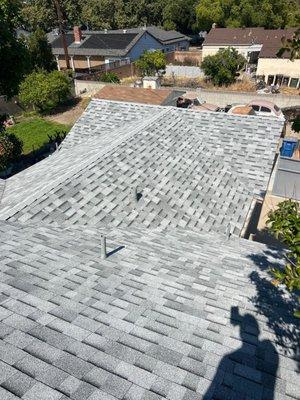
(224, 66)
(296, 124)
(45, 91)
(10, 146)
(151, 62)
(284, 224)
(109, 77)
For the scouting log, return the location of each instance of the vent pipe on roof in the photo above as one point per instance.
(229, 231)
(135, 195)
(124, 30)
(105, 30)
(103, 247)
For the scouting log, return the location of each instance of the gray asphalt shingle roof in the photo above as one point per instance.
(179, 314)
(152, 321)
(98, 43)
(196, 171)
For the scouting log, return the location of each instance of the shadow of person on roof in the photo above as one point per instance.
(276, 304)
(248, 372)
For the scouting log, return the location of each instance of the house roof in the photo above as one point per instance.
(98, 43)
(162, 35)
(269, 38)
(193, 170)
(113, 42)
(168, 315)
(158, 319)
(136, 95)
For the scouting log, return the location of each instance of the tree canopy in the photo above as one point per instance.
(44, 91)
(224, 66)
(151, 62)
(187, 16)
(270, 14)
(10, 146)
(284, 224)
(40, 51)
(13, 52)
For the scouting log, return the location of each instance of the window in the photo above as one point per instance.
(265, 109)
(270, 79)
(285, 80)
(294, 82)
(255, 108)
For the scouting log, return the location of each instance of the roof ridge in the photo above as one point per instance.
(129, 132)
(2, 181)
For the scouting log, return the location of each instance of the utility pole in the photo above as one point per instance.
(62, 32)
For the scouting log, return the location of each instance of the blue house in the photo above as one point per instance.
(89, 50)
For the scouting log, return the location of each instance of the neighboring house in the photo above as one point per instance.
(163, 97)
(259, 46)
(91, 49)
(168, 313)
(169, 40)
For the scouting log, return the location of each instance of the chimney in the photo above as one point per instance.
(77, 34)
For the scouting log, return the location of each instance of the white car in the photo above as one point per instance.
(266, 108)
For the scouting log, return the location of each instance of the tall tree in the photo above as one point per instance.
(180, 14)
(13, 52)
(238, 13)
(104, 14)
(224, 66)
(40, 51)
(42, 13)
(291, 46)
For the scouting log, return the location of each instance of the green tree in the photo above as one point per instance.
(209, 12)
(296, 124)
(269, 14)
(42, 13)
(13, 52)
(291, 46)
(40, 51)
(151, 62)
(180, 15)
(10, 146)
(45, 91)
(104, 14)
(109, 77)
(224, 66)
(284, 224)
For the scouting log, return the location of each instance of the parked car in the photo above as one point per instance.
(241, 110)
(266, 108)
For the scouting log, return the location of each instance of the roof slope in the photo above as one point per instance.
(153, 321)
(98, 43)
(193, 170)
(269, 38)
(134, 95)
(163, 36)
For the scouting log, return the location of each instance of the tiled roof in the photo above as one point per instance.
(135, 95)
(193, 170)
(155, 320)
(269, 38)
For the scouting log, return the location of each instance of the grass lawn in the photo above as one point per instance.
(34, 132)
